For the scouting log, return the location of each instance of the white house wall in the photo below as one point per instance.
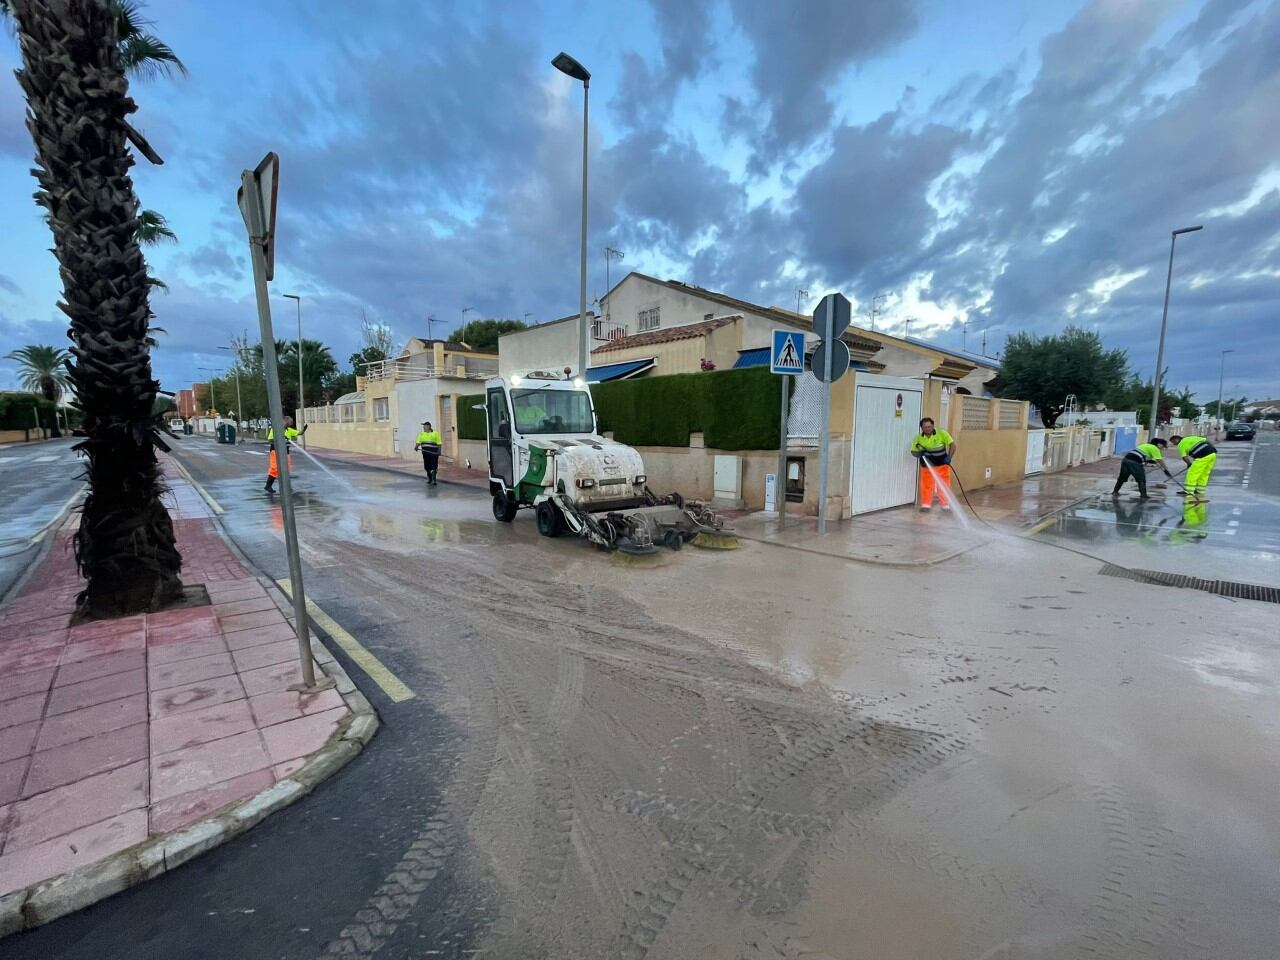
(551, 347)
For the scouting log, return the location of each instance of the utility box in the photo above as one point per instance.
(727, 479)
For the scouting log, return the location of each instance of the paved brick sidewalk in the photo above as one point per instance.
(115, 732)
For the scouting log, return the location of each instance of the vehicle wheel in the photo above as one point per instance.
(549, 522)
(672, 540)
(504, 509)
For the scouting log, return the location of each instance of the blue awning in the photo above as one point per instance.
(760, 358)
(623, 370)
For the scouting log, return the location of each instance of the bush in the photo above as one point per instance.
(733, 409)
(16, 411)
(470, 422)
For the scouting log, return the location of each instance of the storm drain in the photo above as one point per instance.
(1223, 588)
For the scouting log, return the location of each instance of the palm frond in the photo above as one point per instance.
(153, 228)
(142, 54)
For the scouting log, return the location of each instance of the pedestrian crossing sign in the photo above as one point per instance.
(787, 353)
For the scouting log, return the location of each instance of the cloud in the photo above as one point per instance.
(10, 286)
(646, 91)
(800, 51)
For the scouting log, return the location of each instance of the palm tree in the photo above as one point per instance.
(43, 370)
(77, 103)
(153, 229)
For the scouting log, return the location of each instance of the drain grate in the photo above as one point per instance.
(1223, 588)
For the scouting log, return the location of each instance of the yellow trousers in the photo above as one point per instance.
(1198, 474)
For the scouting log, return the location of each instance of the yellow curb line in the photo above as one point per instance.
(1042, 525)
(391, 685)
(213, 504)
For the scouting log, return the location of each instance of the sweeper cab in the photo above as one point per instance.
(546, 453)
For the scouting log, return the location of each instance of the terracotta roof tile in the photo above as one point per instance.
(649, 337)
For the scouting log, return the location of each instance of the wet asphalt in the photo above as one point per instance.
(36, 481)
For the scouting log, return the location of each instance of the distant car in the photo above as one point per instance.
(1241, 430)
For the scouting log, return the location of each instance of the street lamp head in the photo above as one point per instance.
(292, 296)
(1187, 230)
(571, 67)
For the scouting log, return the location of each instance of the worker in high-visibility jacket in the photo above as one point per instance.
(1200, 456)
(429, 442)
(273, 467)
(1134, 464)
(934, 449)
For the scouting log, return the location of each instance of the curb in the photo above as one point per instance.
(50, 899)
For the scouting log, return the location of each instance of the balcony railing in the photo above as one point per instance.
(422, 366)
(606, 330)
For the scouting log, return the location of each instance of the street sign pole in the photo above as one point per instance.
(824, 435)
(256, 222)
(780, 488)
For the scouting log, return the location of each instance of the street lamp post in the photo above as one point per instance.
(302, 404)
(1164, 320)
(239, 402)
(465, 311)
(572, 68)
(1222, 368)
(212, 402)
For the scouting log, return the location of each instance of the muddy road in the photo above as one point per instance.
(755, 754)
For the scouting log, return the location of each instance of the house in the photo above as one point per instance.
(384, 413)
(187, 401)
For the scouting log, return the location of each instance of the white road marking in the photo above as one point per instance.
(47, 458)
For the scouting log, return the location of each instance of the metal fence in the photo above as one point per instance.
(422, 366)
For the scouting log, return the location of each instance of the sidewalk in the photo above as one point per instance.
(129, 746)
(905, 537)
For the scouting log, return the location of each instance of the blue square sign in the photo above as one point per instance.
(787, 353)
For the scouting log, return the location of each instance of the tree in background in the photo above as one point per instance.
(1230, 406)
(1046, 370)
(77, 97)
(376, 344)
(483, 334)
(43, 370)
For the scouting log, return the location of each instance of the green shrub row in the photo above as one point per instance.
(470, 422)
(732, 409)
(15, 411)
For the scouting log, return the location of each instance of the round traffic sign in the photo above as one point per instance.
(839, 361)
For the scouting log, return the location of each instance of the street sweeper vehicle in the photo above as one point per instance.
(546, 453)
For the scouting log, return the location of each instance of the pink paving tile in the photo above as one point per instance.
(104, 666)
(201, 766)
(86, 845)
(19, 740)
(251, 605)
(76, 696)
(186, 808)
(281, 705)
(26, 683)
(200, 726)
(35, 660)
(184, 650)
(100, 718)
(11, 774)
(219, 590)
(103, 646)
(39, 620)
(17, 646)
(289, 767)
(251, 638)
(235, 594)
(21, 710)
(164, 634)
(106, 628)
(76, 805)
(168, 618)
(278, 676)
(193, 696)
(84, 758)
(185, 672)
(265, 654)
(297, 738)
(246, 621)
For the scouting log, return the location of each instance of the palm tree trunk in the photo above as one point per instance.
(78, 103)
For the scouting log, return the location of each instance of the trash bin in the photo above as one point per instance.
(221, 431)
(231, 433)
(187, 429)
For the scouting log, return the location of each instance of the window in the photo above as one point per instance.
(381, 408)
(552, 411)
(649, 319)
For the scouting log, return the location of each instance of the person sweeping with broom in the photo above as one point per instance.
(934, 449)
(1200, 456)
(1135, 463)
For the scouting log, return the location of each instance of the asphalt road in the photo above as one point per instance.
(742, 755)
(36, 482)
(1264, 468)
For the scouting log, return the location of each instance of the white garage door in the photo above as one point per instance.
(886, 417)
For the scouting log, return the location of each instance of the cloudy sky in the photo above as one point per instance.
(967, 159)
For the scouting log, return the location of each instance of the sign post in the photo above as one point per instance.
(830, 319)
(786, 357)
(257, 201)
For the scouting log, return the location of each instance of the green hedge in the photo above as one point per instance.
(15, 411)
(470, 422)
(733, 409)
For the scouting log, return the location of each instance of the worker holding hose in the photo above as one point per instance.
(1200, 456)
(1135, 463)
(273, 468)
(429, 442)
(934, 449)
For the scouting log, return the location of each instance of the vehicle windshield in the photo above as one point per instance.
(552, 411)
